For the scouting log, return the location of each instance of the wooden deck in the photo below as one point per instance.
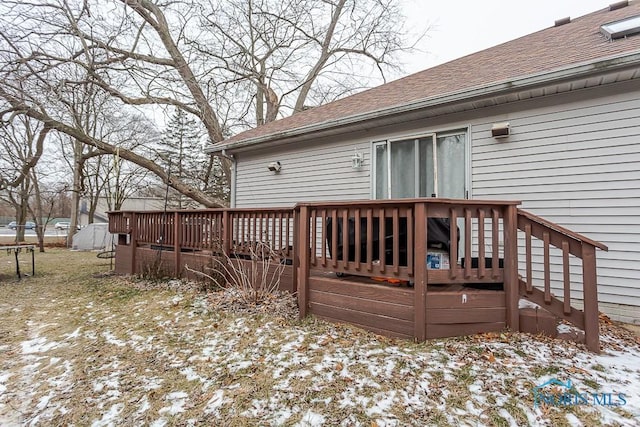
(389, 310)
(369, 241)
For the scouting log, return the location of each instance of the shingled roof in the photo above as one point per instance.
(556, 48)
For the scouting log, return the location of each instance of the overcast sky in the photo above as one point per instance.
(462, 27)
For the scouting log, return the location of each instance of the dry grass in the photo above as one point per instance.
(58, 241)
(78, 346)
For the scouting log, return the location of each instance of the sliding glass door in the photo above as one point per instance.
(450, 173)
(432, 165)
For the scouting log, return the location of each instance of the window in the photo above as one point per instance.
(622, 28)
(432, 165)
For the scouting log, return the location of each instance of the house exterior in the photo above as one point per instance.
(551, 119)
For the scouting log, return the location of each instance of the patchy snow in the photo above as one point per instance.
(311, 419)
(173, 364)
(176, 300)
(73, 335)
(215, 402)
(4, 377)
(563, 328)
(178, 399)
(143, 405)
(574, 421)
(110, 417)
(281, 416)
(191, 374)
(382, 403)
(38, 345)
(43, 402)
(111, 339)
(570, 330)
(525, 303)
(238, 366)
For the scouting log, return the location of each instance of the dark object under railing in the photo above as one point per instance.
(437, 238)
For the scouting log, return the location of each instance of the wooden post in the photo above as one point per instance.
(177, 241)
(302, 252)
(511, 287)
(134, 242)
(420, 273)
(33, 261)
(453, 241)
(467, 243)
(589, 280)
(295, 244)
(15, 253)
(227, 233)
(120, 247)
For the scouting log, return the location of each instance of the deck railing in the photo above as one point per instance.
(391, 239)
(354, 240)
(119, 222)
(378, 238)
(271, 228)
(234, 232)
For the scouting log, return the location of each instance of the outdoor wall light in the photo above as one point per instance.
(356, 160)
(274, 167)
(500, 130)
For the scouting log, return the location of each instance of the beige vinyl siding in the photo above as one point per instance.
(310, 172)
(577, 163)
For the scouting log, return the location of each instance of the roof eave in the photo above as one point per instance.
(581, 70)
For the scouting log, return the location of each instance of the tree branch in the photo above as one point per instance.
(147, 11)
(125, 154)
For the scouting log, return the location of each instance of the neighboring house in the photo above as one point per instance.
(567, 98)
(130, 204)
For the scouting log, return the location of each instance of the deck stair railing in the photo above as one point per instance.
(573, 249)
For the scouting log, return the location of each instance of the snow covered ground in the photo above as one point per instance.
(108, 354)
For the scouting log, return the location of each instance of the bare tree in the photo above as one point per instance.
(22, 141)
(42, 205)
(94, 112)
(297, 51)
(220, 62)
(42, 80)
(108, 176)
(124, 181)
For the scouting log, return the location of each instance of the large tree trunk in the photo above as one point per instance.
(21, 213)
(273, 105)
(76, 189)
(38, 213)
(154, 16)
(92, 213)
